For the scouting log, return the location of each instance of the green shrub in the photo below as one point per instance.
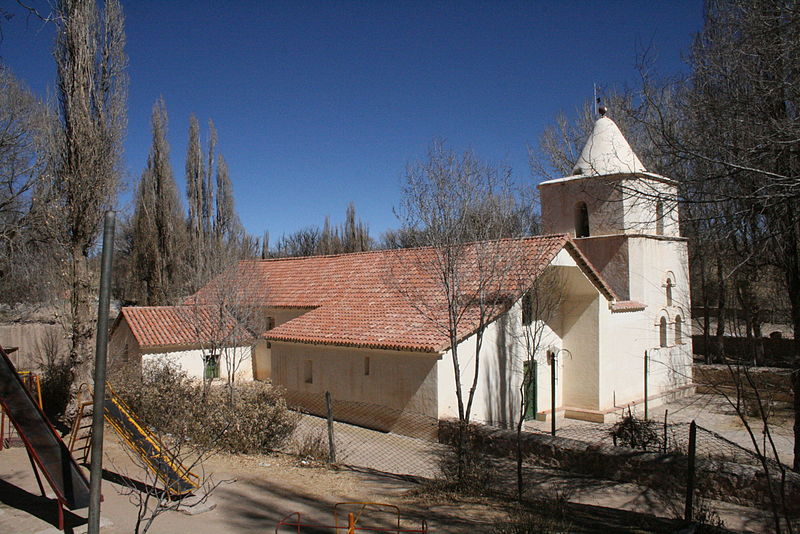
(55, 380)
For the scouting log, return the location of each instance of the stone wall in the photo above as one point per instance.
(773, 383)
(726, 481)
(776, 351)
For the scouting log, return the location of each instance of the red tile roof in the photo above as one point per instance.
(160, 326)
(389, 299)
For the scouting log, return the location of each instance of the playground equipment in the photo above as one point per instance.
(349, 518)
(177, 479)
(34, 385)
(45, 449)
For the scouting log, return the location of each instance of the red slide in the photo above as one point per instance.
(45, 447)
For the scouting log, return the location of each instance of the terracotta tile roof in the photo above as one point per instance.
(389, 299)
(159, 326)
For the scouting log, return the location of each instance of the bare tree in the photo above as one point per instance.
(738, 123)
(457, 207)
(216, 235)
(225, 322)
(540, 307)
(165, 402)
(351, 236)
(24, 121)
(86, 149)
(194, 190)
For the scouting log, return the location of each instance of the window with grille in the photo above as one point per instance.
(211, 366)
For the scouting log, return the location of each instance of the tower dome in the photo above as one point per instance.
(607, 152)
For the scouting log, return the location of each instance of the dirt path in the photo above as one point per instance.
(260, 490)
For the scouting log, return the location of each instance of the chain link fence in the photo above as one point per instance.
(674, 438)
(406, 443)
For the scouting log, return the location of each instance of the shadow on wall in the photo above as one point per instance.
(368, 415)
(501, 398)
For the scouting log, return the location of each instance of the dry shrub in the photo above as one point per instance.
(527, 522)
(257, 421)
(636, 433)
(478, 473)
(174, 405)
(313, 446)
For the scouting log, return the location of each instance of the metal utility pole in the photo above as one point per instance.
(553, 362)
(646, 373)
(96, 468)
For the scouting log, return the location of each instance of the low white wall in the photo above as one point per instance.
(236, 359)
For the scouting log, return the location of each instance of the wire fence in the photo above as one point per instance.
(674, 438)
(366, 435)
(404, 442)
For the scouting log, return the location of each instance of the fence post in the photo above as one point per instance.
(646, 372)
(331, 443)
(553, 363)
(666, 412)
(690, 472)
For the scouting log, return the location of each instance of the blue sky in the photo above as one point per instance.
(321, 103)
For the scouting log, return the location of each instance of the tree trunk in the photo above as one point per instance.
(82, 334)
(706, 312)
(720, 335)
(793, 282)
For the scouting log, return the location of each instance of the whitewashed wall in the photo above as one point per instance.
(239, 359)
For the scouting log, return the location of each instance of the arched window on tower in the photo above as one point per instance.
(581, 220)
(668, 289)
(662, 332)
(659, 218)
(678, 330)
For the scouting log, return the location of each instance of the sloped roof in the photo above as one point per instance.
(160, 326)
(389, 299)
(607, 152)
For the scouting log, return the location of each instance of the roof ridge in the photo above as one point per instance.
(386, 250)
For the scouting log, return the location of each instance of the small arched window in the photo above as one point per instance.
(678, 330)
(581, 220)
(662, 332)
(668, 290)
(659, 218)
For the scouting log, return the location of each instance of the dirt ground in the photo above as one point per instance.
(258, 491)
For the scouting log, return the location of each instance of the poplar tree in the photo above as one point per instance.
(86, 152)
(227, 226)
(194, 189)
(159, 236)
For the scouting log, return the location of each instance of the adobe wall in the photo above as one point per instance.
(30, 338)
(772, 382)
(385, 390)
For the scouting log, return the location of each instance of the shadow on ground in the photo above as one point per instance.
(44, 508)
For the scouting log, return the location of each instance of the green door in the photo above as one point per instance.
(529, 391)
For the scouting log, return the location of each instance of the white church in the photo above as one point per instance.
(348, 324)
